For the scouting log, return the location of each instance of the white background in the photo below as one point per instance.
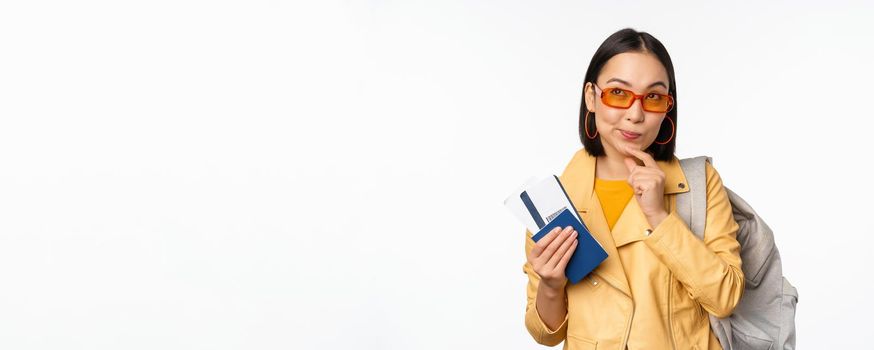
(330, 175)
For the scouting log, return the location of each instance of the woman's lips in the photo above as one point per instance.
(628, 135)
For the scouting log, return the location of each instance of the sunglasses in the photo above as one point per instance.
(621, 98)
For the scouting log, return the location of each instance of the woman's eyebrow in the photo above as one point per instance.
(629, 85)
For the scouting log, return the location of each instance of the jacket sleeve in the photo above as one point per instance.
(709, 269)
(535, 325)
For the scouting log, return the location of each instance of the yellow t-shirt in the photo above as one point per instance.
(614, 196)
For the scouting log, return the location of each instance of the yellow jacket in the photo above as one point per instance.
(656, 283)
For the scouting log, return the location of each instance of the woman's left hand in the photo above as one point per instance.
(648, 183)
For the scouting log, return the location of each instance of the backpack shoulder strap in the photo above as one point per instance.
(692, 205)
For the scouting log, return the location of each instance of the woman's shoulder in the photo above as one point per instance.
(710, 172)
(580, 159)
(714, 180)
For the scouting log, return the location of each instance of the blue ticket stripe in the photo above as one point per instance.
(532, 210)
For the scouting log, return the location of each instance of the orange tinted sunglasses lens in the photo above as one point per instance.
(651, 102)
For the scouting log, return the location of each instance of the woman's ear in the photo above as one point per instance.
(589, 95)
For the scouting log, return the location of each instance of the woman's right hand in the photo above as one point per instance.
(550, 255)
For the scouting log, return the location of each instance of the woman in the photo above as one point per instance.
(659, 282)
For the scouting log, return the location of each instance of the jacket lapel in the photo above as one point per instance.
(630, 225)
(578, 179)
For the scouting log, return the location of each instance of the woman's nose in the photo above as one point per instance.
(635, 112)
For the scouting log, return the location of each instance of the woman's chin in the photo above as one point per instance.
(633, 144)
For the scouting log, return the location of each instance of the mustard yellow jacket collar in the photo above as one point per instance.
(582, 169)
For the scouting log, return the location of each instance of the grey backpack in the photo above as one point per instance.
(765, 315)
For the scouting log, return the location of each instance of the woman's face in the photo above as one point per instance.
(641, 73)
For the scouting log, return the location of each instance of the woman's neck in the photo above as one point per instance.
(610, 168)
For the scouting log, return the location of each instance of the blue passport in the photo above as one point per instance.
(588, 254)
